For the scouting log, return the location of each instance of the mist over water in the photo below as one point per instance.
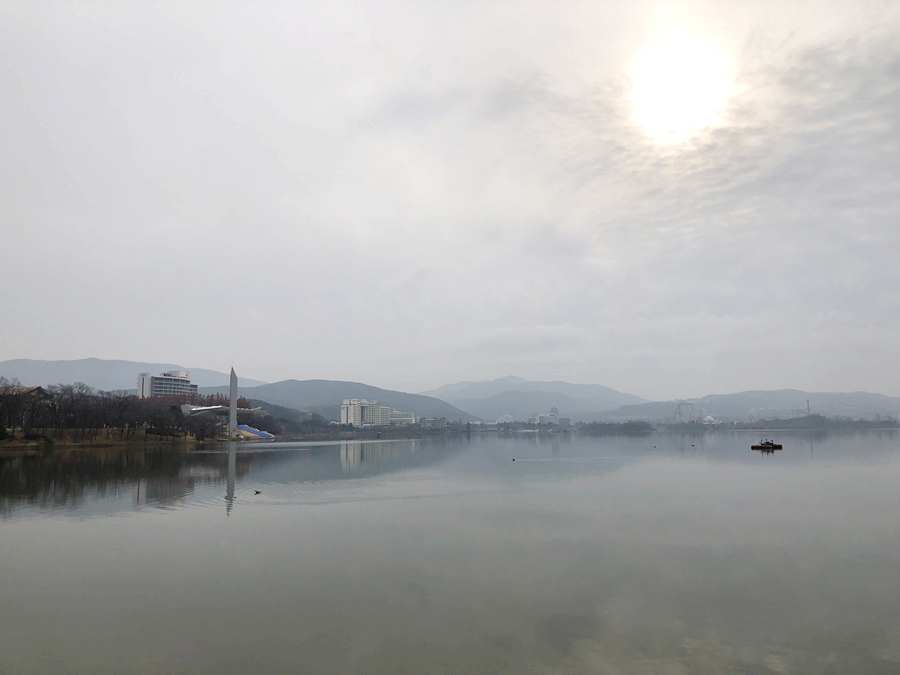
(649, 554)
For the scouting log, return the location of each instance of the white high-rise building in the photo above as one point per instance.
(351, 412)
(359, 411)
(171, 383)
(376, 414)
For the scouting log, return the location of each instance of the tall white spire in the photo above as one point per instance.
(232, 406)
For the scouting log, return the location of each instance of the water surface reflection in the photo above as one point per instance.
(655, 554)
(100, 481)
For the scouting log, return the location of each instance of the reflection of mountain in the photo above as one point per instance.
(298, 463)
(161, 492)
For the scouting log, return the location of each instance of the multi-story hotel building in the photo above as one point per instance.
(359, 411)
(171, 383)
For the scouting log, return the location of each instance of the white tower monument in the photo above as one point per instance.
(232, 406)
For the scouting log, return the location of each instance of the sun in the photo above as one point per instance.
(681, 86)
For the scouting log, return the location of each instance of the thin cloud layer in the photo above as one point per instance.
(409, 195)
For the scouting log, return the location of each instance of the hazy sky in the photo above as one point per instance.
(672, 199)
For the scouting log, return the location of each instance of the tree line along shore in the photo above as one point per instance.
(76, 414)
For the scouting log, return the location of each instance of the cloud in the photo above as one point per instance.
(435, 194)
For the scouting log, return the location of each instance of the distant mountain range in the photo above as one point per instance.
(325, 397)
(522, 399)
(761, 405)
(470, 401)
(102, 374)
(320, 396)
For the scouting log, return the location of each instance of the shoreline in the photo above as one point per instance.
(114, 438)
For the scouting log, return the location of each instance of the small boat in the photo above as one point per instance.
(766, 445)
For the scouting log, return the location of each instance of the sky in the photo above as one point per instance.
(670, 199)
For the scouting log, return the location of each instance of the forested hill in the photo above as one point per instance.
(325, 397)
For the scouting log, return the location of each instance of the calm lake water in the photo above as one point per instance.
(654, 554)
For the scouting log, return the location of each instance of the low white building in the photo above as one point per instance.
(402, 418)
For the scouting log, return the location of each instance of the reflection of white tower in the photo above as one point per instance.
(232, 406)
(229, 489)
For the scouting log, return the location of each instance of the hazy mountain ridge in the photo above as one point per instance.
(474, 389)
(522, 398)
(325, 397)
(762, 404)
(469, 401)
(520, 405)
(102, 374)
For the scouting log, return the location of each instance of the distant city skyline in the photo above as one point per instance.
(671, 199)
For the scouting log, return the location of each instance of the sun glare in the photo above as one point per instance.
(680, 87)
